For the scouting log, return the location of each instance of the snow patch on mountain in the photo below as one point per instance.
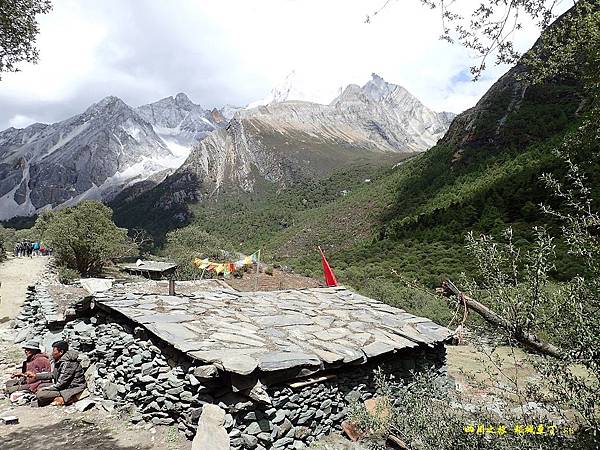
(64, 139)
(290, 89)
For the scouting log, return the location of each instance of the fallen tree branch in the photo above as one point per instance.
(398, 442)
(530, 340)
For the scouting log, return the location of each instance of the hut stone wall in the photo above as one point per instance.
(151, 381)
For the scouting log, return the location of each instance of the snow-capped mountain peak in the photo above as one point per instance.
(108, 105)
(110, 146)
(377, 88)
(183, 100)
(286, 90)
(179, 122)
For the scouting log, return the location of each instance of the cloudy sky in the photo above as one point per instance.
(234, 52)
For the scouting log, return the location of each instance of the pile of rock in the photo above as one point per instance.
(125, 366)
(300, 413)
(32, 320)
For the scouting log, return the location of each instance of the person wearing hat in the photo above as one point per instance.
(36, 362)
(67, 377)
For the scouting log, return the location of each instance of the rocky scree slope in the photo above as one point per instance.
(284, 143)
(96, 154)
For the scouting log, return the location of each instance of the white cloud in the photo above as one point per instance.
(235, 51)
(20, 121)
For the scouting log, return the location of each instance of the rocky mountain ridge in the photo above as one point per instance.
(111, 146)
(180, 122)
(286, 141)
(98, 153)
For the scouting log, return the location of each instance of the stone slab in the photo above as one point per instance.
(95, 285)
(377, 348)
(235, 361)
(165, 318)
(211, 434)
(273, 361)
(244, 332)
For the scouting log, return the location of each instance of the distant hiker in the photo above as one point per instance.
(36, 362)
(67, 377)
(36, 248)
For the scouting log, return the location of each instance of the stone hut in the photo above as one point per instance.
(284, 365)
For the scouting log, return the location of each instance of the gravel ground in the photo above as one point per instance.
(51, 427)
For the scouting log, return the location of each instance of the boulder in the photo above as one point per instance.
(211, 434)
(94, 285)
(90, 377)
(22, 335)
(259, 393)
(85, 404)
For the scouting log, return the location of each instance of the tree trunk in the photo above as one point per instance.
(528, 339)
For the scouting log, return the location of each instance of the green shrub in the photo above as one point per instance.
(67, 275)
(7, 241)
(84, 237)
(425, 416)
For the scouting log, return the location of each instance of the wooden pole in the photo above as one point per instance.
(257, 270)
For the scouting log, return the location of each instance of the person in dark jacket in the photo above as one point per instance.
(67, 377)
(36, 362)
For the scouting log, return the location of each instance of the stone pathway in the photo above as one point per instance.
(62, 427)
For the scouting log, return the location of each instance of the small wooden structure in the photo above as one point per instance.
(154, 270)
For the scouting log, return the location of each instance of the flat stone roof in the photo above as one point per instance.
(160, 287)
(244, 332)
(150, 266)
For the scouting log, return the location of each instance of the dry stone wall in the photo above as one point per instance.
(158, 384)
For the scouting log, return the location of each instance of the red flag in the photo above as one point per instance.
(329, 276)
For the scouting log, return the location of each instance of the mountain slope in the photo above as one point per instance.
(109, 150)
(180, 122)
(483, 175)
(285, 143)
(91, 155)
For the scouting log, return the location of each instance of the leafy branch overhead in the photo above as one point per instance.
(489, 28)
(18, 32)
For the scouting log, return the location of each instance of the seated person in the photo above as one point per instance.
(67, 377)
(36, 362)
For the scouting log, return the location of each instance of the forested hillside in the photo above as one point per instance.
(412, 217)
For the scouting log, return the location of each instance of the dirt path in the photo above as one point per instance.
(53, 428)
(15, 275)
(277, 281)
